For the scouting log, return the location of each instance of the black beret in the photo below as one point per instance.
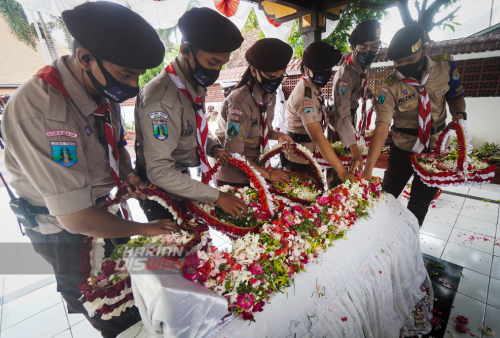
(269, 55)
(320, 56)
(368, 30)
(209, 31)
(116, 34)
(406, 42)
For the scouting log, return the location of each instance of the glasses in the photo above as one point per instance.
(376, 47)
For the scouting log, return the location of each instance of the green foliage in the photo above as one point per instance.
(296, 41)
(13, 14)
(251, 23)
(150, 74)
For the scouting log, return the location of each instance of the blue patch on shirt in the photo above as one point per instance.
(381, 99)
(456, 89)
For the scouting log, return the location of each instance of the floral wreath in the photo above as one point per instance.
(256, 181)
(115, 299)
(300, 151)
(465, 174)
(406, 194)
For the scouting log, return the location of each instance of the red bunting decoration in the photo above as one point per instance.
(272, 22)
(227, 7)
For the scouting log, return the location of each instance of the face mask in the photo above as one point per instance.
(203, 76)
(269, 85)
(321, 78)
(410, 69)
(366, 58)
(114, 89)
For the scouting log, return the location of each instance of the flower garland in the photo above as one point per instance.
(406, 194)
(300, 151)
(300, 189)
(263, 263)
(264, 203)
(455, 168)
(344, 157)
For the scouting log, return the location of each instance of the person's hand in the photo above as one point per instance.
(133, 181)
(222, 156)
(330, 115)
(232, 205)
(160, 227)
(456, 117)
(367, 175)
(284, 138)
(346, 174)
(279, 176)
(356, 160)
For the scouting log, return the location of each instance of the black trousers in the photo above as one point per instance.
(63, 251)
(298, 167)
(397, 175)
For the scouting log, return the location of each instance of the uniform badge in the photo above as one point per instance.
(240, 137)
(229, 139)
(308, 92)
(65, 133)
(64, 153)
(384, 90)
(254, 123)
(405, 92)
(188, 131)
(381, 99)
(341, 91)
(233, 129)
(158, 115)
(308, 110)
(88, 131)
(234, 117)
(160, 129)
(456, 75)
(234, 111)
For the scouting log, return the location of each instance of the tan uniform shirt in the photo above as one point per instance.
(346, 95)
(52, 148)
(166, 141)
(239, 128)
(302, 108)
(399, 101)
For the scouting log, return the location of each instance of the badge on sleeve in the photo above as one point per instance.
(160, 130)
(254, 123)
(233, 129)
(308, 92)
(341, 91)
(456, 75)
(381, 99)
(64, 153)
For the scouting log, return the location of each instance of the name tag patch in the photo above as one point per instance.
(64, 153)
(407, 98)
(234, 117)
(66, 133)
(160, 130)
(234, 111)
(158, 115)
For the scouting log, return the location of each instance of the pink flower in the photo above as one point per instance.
(377, 193)
(462, 320)
(247, 315)
(245, 301)
(258, 307)
(108, 267)
(101, 277)
(323, 200)
(436, 322)
(298, 208)
(373, 187)
(256, 268)
(253, 205)
(191, 273)
(193, 261)
(314, 209)
(288, 218)
(337, 198)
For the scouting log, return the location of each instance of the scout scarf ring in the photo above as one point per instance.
(201, 122)
(424, 115)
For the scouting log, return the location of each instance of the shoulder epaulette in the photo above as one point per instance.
(442, 57)
(308, 92)
(242, 93)
(390, 79)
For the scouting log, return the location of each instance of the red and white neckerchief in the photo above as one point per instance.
(366, 116)
(424, 115)
(264, 128)
(50, 75)
(201, 122)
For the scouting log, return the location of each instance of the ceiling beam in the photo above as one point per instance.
(296, 4)
(324, 5)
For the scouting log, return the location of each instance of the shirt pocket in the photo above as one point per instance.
(439, 95)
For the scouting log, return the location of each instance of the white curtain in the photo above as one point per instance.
(52, 7)
(282, 32)
(160, 14)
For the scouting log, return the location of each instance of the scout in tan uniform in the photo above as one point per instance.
(417, 75)
(167, 109)
(55, 129)
(306, 116)
(349, 87)
(242, 127)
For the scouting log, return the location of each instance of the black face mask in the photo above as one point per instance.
(114, 89)
(269, 85)
(410, 69)
(366, 58)
(321, 78)
(203, 76)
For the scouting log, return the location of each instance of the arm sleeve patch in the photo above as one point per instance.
(456, 89)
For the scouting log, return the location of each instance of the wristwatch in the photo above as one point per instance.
(464, 114)
(211, 154)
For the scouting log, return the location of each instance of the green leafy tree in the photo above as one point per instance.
(13, 14)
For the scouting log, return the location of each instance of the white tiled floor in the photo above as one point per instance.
(463, 230)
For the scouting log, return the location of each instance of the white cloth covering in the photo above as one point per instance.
(373, 278)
